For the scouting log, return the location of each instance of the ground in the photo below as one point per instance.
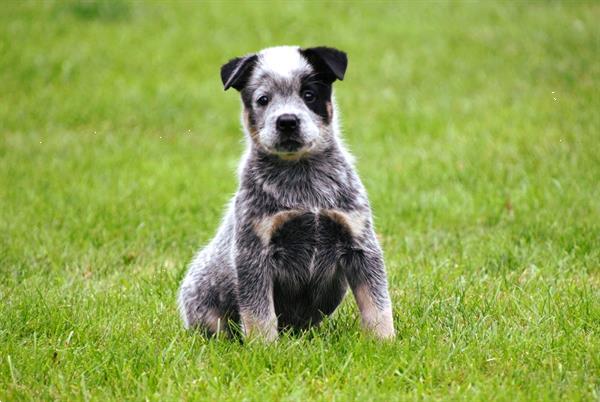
(476, 128)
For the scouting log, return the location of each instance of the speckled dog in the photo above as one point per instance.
(299, 229)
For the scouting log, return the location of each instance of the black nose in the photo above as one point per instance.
(287, 122)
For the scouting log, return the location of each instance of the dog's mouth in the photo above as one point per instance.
(289, 145)
(291, 149)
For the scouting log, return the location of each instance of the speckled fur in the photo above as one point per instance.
(298, 231)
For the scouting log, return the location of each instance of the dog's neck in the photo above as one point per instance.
(317, 180)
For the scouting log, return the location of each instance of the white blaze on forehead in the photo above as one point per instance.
(285, 61)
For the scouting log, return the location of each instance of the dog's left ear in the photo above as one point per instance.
(235, 72)
(328, 61)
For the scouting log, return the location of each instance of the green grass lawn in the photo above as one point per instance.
(476, 128)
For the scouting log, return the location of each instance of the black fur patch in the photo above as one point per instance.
(303, 295)
(322, 89)
(328, 62)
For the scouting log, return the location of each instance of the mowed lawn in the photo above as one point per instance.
(476, 128)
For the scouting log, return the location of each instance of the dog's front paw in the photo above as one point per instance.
(264, 330)
(380, 324)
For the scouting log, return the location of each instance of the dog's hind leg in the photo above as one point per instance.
(207, 304)
(207, 297)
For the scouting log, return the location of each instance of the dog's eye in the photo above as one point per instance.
(263, 100)
(309, 96)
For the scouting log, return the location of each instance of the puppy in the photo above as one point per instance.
(299, 230)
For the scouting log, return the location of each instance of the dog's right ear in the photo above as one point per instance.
(235, 72)
(330, 62)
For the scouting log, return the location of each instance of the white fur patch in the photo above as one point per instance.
(285, 61)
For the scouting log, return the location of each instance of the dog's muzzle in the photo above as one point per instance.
(288, 130)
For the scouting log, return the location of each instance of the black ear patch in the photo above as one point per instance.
(235, 72)
(327, 61)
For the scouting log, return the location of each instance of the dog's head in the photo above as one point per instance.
(286, 92)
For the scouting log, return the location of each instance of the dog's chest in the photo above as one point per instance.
(304, 246)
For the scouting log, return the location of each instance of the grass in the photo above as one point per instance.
(476, 128)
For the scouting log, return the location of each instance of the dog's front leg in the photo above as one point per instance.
(255, 288)
(365, 272)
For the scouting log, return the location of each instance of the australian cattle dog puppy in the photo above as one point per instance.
(299, 229)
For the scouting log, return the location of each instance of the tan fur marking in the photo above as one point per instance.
(213, 321)
(292, 156)
(353, 221)
(251, 130)
(265, 227)
(377, 321)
